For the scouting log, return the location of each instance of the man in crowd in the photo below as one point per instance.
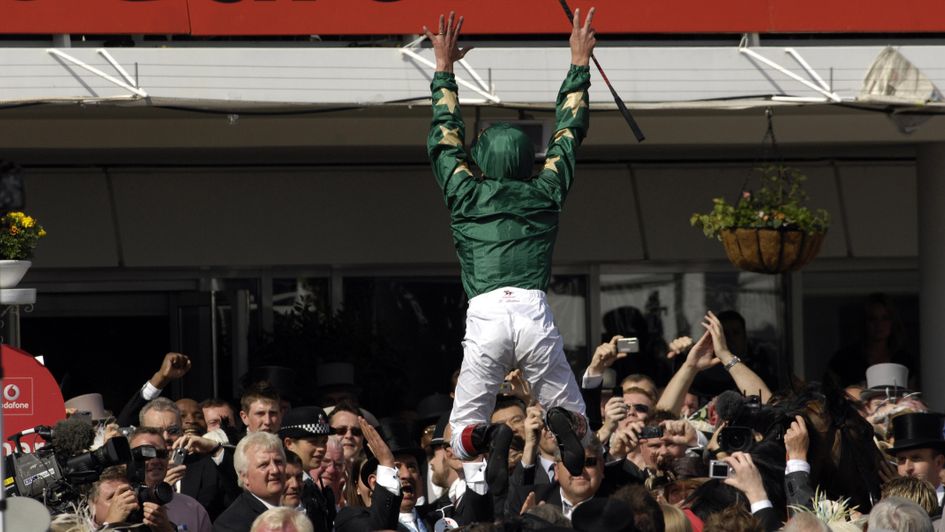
(192, 420)
(260, 466)
(183, 509)
(199, 476)
(504, 225)
(261, 409)
(113, 502)
(215, 411)
(344, 422)
(919, 448)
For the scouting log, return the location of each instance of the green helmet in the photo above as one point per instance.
(504, 151)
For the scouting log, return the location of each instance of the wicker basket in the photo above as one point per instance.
(770, 250)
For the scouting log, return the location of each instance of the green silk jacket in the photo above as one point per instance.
(505, 229)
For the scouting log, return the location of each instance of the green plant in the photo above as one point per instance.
(778, 204)
(19, 235)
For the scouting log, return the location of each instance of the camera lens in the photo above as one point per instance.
(732, 439)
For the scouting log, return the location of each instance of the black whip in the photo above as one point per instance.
(637, 132)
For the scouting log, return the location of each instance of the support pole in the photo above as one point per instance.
(931, 202)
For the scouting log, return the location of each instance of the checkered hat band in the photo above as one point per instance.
(315, 428)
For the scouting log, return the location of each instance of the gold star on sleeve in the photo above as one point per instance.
(462, 167)
(574, 102)
(447, 98)
(550, 164)
(450, 136)
(566, 133)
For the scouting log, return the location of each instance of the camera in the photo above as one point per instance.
(719, 469)
(628, 345)
(732, 439)
(651, 432)
(160, 494)
(178, 456)
(54, 474)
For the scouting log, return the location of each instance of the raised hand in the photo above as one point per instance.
(678, 345)
(714, 327)
(174, 366)
(376, 444)
(702, 356)
(796, 439)
(746, 477)
(582, 39)
(445, 47)
(604, 356)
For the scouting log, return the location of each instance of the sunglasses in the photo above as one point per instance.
(341, 430)
(639, 407)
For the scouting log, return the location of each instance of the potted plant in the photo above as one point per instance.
(771, 230)
(19, 235)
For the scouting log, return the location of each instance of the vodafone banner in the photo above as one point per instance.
(496, 17)
(31, 397)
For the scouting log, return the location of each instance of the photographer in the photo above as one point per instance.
(182, 509)
(112, 501)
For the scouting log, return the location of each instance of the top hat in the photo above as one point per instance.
(887, 379)
(431, 407)
(440, 430)
(282, 380)
(398, 437)
(918, 431)
(305, 422)
(334, 375)
(91, 403)
(599, 514)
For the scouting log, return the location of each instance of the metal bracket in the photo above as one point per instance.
(482, 89)
(821, 87)
(128, 83)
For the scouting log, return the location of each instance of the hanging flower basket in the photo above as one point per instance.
(770, 250)
(770, 231)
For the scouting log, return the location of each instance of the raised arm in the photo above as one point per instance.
(700, 357)
(748, 382)
(571, 111)
(447, 131)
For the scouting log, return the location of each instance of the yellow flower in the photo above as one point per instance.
(29, 221)
(14, 230)
(42, 232)
(16, 215)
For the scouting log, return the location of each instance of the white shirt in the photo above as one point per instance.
(412, 522)
(940, 491)
(548, 466)
(567, 507)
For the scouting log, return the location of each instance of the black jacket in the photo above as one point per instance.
(382, 515)
(240, 515)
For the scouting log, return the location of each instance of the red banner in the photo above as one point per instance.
(31, 397)
(483, 17)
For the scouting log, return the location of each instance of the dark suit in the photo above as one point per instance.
(203, 482)
(319, 505)
(129, 414)
(240, 515)
(769, 519)
(798, 490)
(382, 515)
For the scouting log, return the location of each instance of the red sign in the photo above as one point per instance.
(484, 17)
(31, 397)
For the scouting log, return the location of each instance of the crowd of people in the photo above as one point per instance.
(526, 445)
(815, 457)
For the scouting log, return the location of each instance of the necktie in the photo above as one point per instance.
(551, 473)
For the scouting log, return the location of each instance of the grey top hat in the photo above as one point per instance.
(887, 379)
(90, 402)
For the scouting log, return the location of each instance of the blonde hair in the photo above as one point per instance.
(675, 519)
(916, 490)
(276, 519)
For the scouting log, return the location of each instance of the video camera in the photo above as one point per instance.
(55, 473)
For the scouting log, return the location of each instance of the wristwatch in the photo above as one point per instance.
(731, 363)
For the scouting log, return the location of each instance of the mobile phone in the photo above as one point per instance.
(505, 388)
(178, 457)
(719, 469)
(628, 345)
(651, 432)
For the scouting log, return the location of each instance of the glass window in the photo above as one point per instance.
(659, 307)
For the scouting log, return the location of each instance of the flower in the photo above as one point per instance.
(778, 204)
(19, 235)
